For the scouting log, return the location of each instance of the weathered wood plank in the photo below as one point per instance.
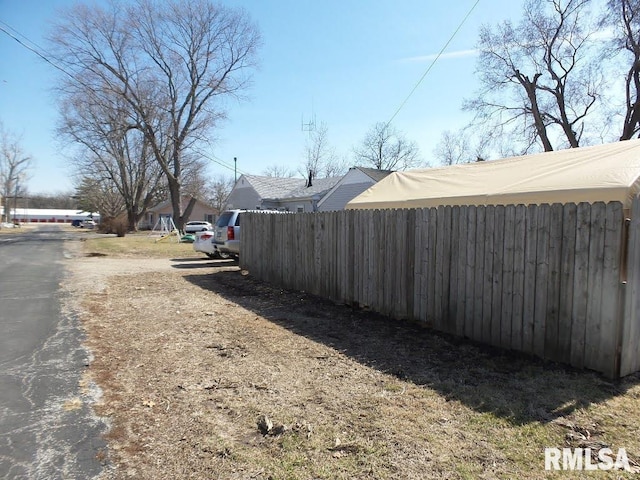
(552, 328)
(446, 273)
(580, 285)
(497, 287)
(529, 304)
(611, 311)
(478, 290)
(410, 245)
(542, 272)
(419, 228)
(567, 270)
(630, 348)
(440, 267)
(506, 317)
(519, 239)
(593, 328)
(432, 267)
(454, 245)
(487, 312)
(469, 307)
(461, 260)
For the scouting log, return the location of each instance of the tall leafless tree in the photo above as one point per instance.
(218, 190)
(320, 159)
(537, 84)
(110, 147)
(173, 63)
(385, 148)
(14, 169)
(623, 17)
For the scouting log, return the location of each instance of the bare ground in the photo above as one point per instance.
(209, 373)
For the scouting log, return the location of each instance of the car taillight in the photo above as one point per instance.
(206, 236)
(230, 233)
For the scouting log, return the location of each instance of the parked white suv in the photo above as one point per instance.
(226, 231)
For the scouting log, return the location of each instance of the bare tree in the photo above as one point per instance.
(219, 189)
(171, 62)
(100, 195)
(14, 169)
(385, 148)
(624, 18)
(460, 147)
(321, 160)
(536, 82)
(278, 171)
(110, 147)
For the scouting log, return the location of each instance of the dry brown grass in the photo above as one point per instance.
(191, 353)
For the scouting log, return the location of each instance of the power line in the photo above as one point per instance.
(433, 62)
(30, 48)
(4, 26)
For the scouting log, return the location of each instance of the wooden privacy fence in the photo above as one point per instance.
(557, 281)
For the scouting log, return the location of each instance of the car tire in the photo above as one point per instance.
(211, 255)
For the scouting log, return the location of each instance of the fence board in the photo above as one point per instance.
(469, 312)
(506, 315)
(487, 283)
(431, 268)
(612, 300)
(439, 281)
(542, 274)
(454, 248)
(551, 348)
(519, 240)
(478, 292)
(498, 266)
(461, 260)
(567, 261)
(446, 274)
(593, 328)
(529, 304)
(580, 285)
(630, 348)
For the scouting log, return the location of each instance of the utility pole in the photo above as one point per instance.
(235, 169)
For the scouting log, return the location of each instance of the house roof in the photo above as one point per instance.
(609, 172)
(184, 201)
(274, 187)
(289, 188)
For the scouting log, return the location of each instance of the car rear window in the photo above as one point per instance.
(223, 220)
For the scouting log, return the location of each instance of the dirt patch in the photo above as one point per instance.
(209, 373)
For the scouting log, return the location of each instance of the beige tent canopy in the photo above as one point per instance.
(604, 173)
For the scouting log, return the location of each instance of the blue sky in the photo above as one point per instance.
(350, 63)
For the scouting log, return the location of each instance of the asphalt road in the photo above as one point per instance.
(47, 430)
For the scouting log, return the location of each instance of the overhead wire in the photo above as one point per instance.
(4, 27)
(433, 62)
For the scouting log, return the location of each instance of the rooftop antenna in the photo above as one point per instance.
(309, 126)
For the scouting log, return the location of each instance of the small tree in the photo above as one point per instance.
(385, 148)
(14, 169)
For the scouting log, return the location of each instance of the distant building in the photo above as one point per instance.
(48, 215)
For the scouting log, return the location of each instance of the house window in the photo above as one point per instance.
(300, 208)
(209, 217)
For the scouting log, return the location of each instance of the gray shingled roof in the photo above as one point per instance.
(283, 188)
